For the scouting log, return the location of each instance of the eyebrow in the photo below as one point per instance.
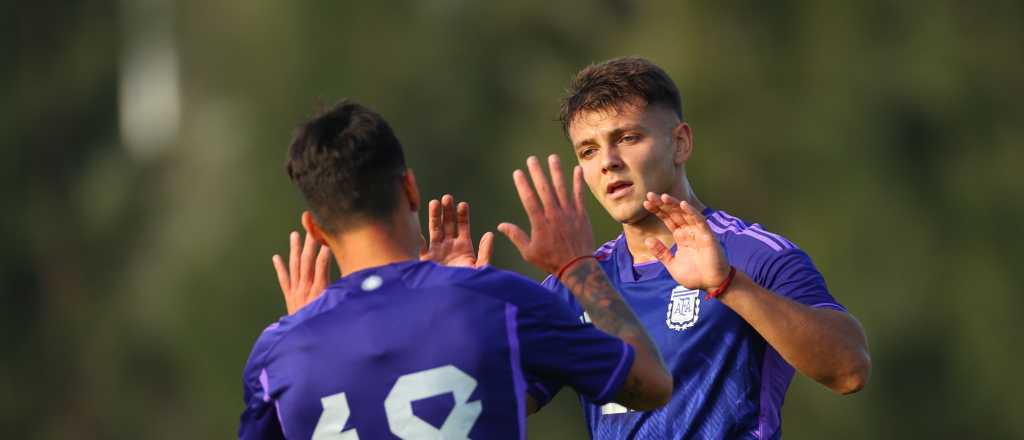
(612, 134)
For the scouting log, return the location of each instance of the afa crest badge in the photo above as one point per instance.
(683, 309)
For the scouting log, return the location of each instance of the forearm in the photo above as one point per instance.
(827, 345)
(606, 308)
(610, 313)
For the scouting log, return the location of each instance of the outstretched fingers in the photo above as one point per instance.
(540, 181)
(527, 197)
(323, 270)
(306, 266)
(435, 227)
(670, 206)
(654, 205)
(463, 228)
(449, 222)
(293, 258)
(558, 180)
(659, 250)
(698, 222)
(282, 275)
(577, 188)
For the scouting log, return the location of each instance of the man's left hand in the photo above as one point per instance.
(304, 280)
(699, 261)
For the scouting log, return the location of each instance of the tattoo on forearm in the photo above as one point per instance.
(610, 313)
(606, 308)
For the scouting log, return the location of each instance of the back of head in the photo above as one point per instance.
(347, 162)
(619, 81)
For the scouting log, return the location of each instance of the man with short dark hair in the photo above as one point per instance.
(733, 307)
(409, 349)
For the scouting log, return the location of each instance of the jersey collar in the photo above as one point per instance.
(636, 273)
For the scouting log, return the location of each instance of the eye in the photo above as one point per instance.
(586, 152)
(629, 139)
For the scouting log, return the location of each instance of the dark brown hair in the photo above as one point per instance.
(619, 81)
(346, 161)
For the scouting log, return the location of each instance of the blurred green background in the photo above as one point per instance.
(144, 193)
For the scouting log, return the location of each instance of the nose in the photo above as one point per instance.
(610, 159)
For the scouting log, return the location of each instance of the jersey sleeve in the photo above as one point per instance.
(792, 274)
(545, 389)
(559, 349)
(259, 420)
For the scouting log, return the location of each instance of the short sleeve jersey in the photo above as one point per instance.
(729, 383)
(418, 350)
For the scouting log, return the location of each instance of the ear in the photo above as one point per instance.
(311, 227)
(412, 192)
(682, 135)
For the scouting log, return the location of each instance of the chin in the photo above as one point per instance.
(628, 214)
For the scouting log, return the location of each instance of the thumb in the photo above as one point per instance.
(423, 248)
(283, 280)
(483, 256)
(517, 236)
(660, 251)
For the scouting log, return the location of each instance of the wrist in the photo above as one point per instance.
(569, 264)
(722, 286)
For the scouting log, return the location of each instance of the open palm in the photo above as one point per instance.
(451, 243)
(699, 261)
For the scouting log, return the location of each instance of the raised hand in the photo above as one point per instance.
(305, 279)
(699, 262)
(451, 243)
(559, 227)
(559, 233)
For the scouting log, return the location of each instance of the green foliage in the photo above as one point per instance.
(880, 136)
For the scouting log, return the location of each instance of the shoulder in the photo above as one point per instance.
(748, 243)
(750, 246)
(264, 345)
(769, 258)
(430, 274)
(272, 336)
(605, 251)
(501, 284)
(740, 235)
(527, 297)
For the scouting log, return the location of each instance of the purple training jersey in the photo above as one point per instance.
(417, 350)
(729, 383)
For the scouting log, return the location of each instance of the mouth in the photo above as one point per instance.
(616, 190)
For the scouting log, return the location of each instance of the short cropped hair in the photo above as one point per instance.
(611, 84)
(347, 162)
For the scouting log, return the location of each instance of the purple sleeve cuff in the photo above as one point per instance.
(618, 376)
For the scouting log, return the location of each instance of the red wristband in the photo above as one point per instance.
(725, 284)
(558, 275)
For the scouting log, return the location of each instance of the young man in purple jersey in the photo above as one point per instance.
(732, 307)
(406, 349)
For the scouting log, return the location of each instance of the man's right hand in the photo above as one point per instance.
(559, 225)
(451, 242)
(561, 233)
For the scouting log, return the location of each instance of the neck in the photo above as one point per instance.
(371, 246)
(651, 226)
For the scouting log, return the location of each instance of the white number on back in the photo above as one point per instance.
(398, 407)
(333, 419)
